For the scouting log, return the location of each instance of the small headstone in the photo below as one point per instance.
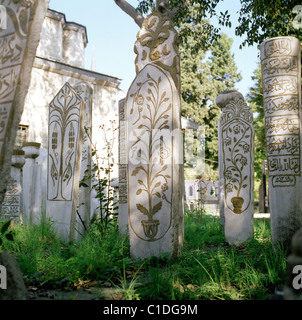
(236, 167)
(281, 79)
(12, 205)
(15, 287)
(65, 142)
(18, 42)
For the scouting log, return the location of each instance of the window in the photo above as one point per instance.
(21, 137)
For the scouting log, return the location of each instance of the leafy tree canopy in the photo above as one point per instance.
(258, 19)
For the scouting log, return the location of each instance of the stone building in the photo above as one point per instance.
(60, 59)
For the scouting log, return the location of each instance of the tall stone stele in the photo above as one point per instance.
(65, 143)
(236, 167)
(155, 166)
(19, 39)
(281, 80)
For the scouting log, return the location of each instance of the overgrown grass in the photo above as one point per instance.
(208, 268)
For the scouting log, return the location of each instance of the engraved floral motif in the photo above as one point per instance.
(157, 42)
(237, 134)
(64, 120)
(151, 109)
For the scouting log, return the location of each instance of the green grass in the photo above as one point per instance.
(207, 268)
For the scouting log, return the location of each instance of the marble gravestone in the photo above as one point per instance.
(155, 151)
(12, 207)
(84, 200)
(281, 80)
(65, 143)
(236, 167)
(19, 39)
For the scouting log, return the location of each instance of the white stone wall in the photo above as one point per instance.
(51, 42)
(60, 59)
(62, 41)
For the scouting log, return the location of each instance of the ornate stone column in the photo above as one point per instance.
(281, 79)
(32, 184)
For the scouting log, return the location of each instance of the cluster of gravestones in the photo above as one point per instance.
(151, 175)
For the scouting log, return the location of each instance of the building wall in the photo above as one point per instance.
(60, 59)
(62, 41)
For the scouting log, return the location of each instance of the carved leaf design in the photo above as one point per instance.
(156, 208)
(142, 209)
(67, 173)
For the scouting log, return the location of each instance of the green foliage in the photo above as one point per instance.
(6, 232)
(101, 178)
(205, 72)
(259, 20)
(207, 268)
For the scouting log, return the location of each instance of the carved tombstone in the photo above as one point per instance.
(281, 79)
(84, 199)
(236, 167)
(123, 189)
(65, 143)
(12, 204)
(155, 167)
(18, 43)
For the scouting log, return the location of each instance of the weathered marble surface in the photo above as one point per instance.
(65, 134)
(84, 200)
(236, 167)
(155, 150)
(18, 45)
(12, 205)
(281, 78)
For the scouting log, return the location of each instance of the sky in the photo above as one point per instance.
(112, 34)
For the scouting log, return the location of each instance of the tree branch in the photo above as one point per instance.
(131, 11)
